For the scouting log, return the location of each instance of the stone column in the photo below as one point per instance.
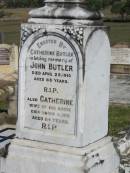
(64, 72)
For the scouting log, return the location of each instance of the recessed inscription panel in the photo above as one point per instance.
(51, 85)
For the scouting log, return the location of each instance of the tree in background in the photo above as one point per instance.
(23, 3)
(98, 4)
(106, 3)
(127, 7)
(122, 8)
(92, 4)
(95, 4)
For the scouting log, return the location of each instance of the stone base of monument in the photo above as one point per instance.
(37, 157)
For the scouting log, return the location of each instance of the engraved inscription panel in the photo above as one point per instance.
(51, 85)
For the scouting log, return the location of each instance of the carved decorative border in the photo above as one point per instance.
(75, 32)
(26, 31)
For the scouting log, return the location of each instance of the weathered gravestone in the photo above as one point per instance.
(8, 60)
(8, 77)
(120, 63)
(63, 93)
(4, 56)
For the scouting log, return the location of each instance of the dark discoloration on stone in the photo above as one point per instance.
(4, 151)
(97, 162)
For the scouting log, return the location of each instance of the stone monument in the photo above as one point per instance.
(64, 72)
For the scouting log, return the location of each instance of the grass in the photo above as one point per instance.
(119, 119)
(119, 32)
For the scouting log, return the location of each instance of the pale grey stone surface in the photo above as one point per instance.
(95, 158)
(90, 98)
(12, 107)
